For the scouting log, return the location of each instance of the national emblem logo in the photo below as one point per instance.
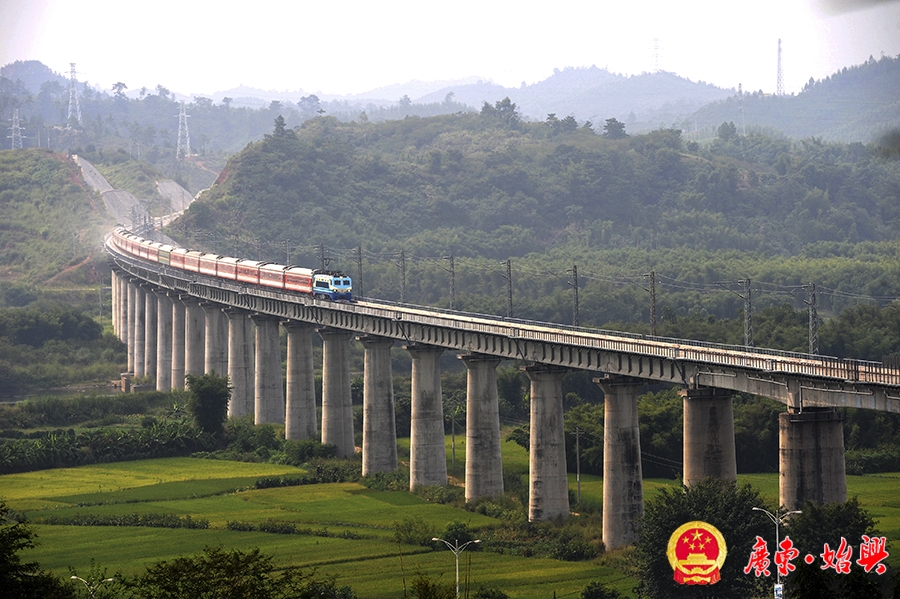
(696, 553)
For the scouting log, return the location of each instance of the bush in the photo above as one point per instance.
(148, 520)
(870, 461)
(414, 531)
(282, 528)
(441, 494)
(298, 453)
(423, 587)
(387, 481)
(596, 590)
(458, 532)
(220, 572)
(483, 592)
(208, 402)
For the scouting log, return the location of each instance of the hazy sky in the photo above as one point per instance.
(200, 46)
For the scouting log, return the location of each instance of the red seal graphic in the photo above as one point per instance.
(696, 553)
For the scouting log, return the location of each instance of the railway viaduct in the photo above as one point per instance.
(177, 323)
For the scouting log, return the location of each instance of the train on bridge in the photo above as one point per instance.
(325, 284)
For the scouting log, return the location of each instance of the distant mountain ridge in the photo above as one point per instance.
(856, 104)
(597, 94)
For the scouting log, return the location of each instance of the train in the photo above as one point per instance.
(319, 283)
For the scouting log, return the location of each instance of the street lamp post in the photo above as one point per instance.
(93, 586)
(456, 548)
(777, 520)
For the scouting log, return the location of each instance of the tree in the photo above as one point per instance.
(18, 579)
(119, 90)
(614, 129)
(309, 106)
(280, 130)
(817, 525)
(506, 110)
(208, 402)
(218, 572)
(503, 111)
(727, 131)
(423, 587)
(597, 590)
(720, 503)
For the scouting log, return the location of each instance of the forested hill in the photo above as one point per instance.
(859, 103)
(489, 184)
(391, 202)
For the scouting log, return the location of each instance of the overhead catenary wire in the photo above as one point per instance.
(518, 269)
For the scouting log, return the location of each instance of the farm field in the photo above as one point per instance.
(348, 529)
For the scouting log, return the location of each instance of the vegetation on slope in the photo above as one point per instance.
(404, 196)
(49, 220)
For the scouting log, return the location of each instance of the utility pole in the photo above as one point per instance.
(452, 271)
(183, 148)
(578, 463)
(74, 107)
(574, 284)
(813, 320)
(652, 276)
(402, 276)
(779, 85)
(748, 322)
(359, 278)
(16, 132)
(508, 277)
(748, 308)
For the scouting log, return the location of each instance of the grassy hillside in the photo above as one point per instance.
(373, 564)
(50, 223)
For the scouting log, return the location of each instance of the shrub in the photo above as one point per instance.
(441, 494)
(387, 481)
(299, 452)
(596, 590)
(414, 531)
(282, 528)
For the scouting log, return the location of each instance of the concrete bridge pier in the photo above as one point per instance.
(150, 332)
(131, 291)
(484, 468)
(241, 356)
(140, 330)
(194, 337)
(215, 346)
(116, 303)
(268, 395)
(178, 340)
(548, 485)
(379, 446)
(708, 435)
(163, 341)
(623, 486)
(811, 457)
(122, 299)
(337, 402)
(427, 454)
(300, 410)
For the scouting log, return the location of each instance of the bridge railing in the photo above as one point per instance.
(755, 358)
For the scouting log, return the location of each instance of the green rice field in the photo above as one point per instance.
(349, 528)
